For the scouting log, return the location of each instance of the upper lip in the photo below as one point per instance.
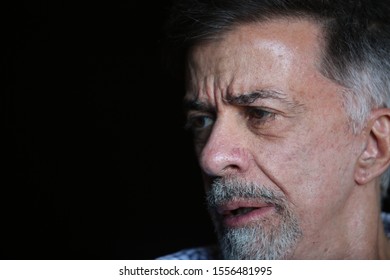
(228, 208)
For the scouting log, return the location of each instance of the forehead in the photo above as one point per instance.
(280, 54)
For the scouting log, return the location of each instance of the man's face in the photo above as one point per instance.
(273, 142)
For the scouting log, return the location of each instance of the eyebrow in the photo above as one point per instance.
(249, 98)
(197, 105)
(242, 100)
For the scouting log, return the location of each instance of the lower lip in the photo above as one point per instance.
(248, 218)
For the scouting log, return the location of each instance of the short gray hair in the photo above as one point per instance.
(356, 37)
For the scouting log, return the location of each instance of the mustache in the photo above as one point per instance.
(223, 190)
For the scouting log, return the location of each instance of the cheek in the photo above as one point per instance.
(315, 172)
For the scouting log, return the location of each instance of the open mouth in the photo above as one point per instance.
(240, 211)
(237, 214)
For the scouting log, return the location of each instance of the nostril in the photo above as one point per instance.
(221, 160)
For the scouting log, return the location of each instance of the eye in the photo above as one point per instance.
(198, 122)
(258, 116)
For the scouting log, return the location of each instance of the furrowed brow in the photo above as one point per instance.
(197, 105)
(249, 98)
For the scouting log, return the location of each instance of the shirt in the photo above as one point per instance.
(211, 252)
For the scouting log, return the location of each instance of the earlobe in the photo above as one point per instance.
(375, 157)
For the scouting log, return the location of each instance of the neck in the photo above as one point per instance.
(369, 240)
(356, 232)
(383, 244)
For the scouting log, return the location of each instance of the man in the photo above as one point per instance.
(288, 104)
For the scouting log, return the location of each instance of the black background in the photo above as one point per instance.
(96, 163)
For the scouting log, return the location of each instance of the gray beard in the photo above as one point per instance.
(271, 238)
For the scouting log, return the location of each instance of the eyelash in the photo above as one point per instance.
(257, 116)
(254, 112)
(198, 122)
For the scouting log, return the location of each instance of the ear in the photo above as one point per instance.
(375, 157)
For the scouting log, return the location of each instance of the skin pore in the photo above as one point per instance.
(264, 117)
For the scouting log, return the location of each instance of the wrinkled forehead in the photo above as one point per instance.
(288, 27)
(234, 59)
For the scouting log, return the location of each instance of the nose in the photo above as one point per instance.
(225, 152)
